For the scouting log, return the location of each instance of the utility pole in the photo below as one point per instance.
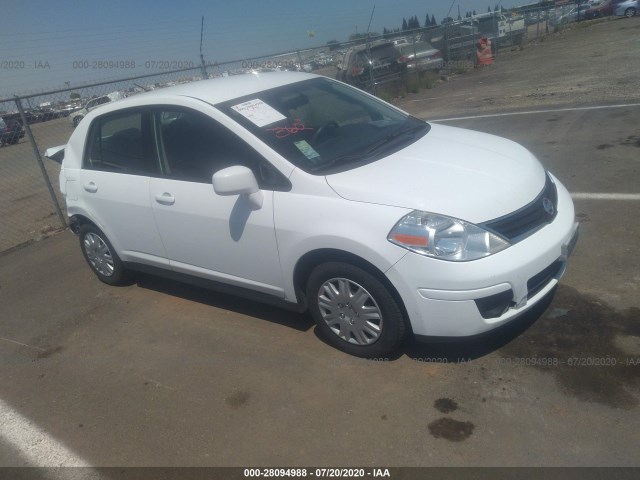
(373, 86)
(202, 65)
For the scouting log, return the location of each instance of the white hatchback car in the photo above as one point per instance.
(299, 189)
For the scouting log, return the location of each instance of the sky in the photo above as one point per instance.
(46, 44)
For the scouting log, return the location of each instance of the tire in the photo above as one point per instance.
(630, 12)
(340, 295)
(101, 256)
(76, 120)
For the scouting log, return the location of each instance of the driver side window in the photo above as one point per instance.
(192, 147)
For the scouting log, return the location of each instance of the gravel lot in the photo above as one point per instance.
(581, 65)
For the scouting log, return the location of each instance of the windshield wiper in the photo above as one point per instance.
(384, 141)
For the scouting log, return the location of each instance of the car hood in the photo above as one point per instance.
(469, 175)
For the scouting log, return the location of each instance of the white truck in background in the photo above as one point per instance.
(510, 29)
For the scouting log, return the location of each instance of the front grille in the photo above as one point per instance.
(539, 281)
(524, 222)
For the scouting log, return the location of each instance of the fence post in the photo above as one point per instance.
(43, 170)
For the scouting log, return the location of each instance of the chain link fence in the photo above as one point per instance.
(387, 65)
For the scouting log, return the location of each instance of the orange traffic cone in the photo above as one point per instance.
(485, 56)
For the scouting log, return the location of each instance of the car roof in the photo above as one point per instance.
(373, 45)
(221, 89)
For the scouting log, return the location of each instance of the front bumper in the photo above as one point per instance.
(459, 299)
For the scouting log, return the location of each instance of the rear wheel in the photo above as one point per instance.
(354, 310)
(101, 256)
(630, 12)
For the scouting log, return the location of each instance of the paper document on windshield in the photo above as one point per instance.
(258, 112)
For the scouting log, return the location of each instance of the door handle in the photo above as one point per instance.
(165, 199)
(90, 187)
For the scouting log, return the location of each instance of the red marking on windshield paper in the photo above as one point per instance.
(296, 127)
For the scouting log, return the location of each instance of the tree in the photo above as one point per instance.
(404, 24)
(489, 9)
(75, 96)
(333, 45)
(433, 20)
(474, 13)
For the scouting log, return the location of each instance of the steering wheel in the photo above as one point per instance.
(322, 130)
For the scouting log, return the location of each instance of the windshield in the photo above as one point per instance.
(323, 126)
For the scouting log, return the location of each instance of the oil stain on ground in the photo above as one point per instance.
(590, 364)
(450, 429)
(630, 141)
(445, 405)
(237, 399)
(49, 352)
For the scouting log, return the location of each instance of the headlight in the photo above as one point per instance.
(445, 237)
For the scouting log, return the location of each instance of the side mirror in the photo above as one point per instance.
(55, 153)
(238, 180)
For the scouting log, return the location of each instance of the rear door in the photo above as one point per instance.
(114, 184)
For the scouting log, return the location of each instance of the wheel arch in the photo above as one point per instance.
(78, 220)
(305, 265)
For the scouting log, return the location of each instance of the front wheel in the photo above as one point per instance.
(101, 256)
(354, 310)
(630, 12)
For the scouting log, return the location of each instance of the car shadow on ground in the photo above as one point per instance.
(243, 306)
(449, 350)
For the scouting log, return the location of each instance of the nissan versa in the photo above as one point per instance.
(301, 189)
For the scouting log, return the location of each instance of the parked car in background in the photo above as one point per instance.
(572, 15)
(45, 113)
(11, 131)
(400, 41)
(94, 103)
(380, 61)
(420, 56)
(627, 8)
(68, 109)
(299, 190)
(602, 9)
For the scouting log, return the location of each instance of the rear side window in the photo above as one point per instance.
(117, 144)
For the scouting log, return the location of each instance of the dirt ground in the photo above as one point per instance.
(581, 65)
